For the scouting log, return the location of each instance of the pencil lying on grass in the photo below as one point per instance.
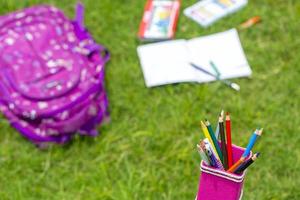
(230, 84)
(250, 22)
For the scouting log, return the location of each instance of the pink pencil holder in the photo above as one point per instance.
(216, 184)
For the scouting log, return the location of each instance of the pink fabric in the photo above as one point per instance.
(215, 184)
(51, 75)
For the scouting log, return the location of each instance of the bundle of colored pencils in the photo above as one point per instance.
(219, 154)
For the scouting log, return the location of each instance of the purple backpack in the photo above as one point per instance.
(52, 75)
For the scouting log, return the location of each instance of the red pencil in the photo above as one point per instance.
(228, 139)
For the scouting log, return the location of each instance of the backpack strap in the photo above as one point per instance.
(82, 33)
(79, 17)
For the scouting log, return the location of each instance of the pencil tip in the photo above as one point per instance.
(227, 116)
(235, 86)
(202, 123)
(220, 118)
(207, 123)
(255, 156)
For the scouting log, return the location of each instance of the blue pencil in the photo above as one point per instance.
(217, 77)
(252, 141)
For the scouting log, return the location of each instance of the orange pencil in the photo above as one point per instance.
(250, 22)
(236, 165)
(228, 139)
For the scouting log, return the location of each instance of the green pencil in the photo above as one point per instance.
(214, 139)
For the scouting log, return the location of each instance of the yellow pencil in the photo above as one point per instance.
(206, 134)
(236, 165)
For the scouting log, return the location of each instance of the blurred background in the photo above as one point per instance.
(147, 151)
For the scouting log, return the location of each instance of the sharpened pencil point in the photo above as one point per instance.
(207, 122)
(220, 118)
(260, 131)
(257, 154)
(202, 124)
(235, 86)
(227, 116)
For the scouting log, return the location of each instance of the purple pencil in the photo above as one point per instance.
(211, 153)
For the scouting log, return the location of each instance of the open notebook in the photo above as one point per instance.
(169, 62)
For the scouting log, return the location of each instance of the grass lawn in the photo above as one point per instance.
(148, 149)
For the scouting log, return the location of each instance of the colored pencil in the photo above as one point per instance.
(222, 113)
(212, 64)
(202, 146)
(217, 134)
(203, 155)
(209, 153)
(214, 139)
(246, 164)
(228, 140)
(207, 135)
(250, 22)
(236, 165)
(234, 86)
(212, 154)
(223, 143)
(252, 141)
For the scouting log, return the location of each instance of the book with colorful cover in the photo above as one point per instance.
(159, 20)
(206, 12)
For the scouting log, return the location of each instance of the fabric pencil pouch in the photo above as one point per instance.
(215, 184)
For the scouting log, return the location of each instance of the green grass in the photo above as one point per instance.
(148, 149)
